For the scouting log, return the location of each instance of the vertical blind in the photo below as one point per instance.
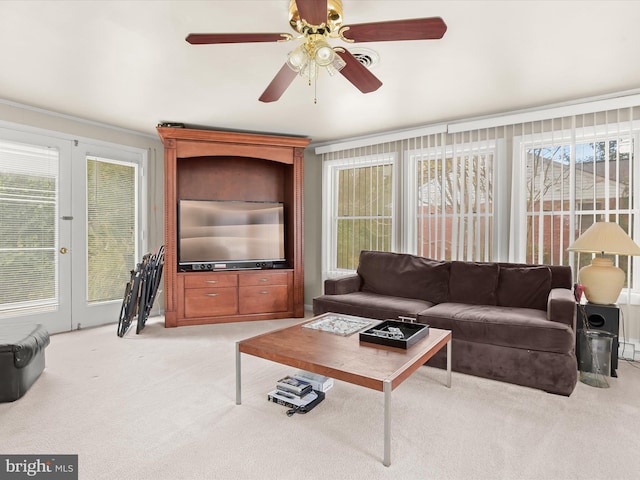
(579, 170)
(431, 195)
(520, 192)
(362, 211)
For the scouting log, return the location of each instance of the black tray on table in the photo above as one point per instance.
(411, 332)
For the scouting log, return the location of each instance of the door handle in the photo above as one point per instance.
(64, 250)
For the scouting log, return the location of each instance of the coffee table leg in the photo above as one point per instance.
(386, 386)
(238, 380)
(449, 363)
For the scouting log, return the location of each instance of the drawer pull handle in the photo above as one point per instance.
(211, 281)
(264, 279)
(212, 294)
(264, 292)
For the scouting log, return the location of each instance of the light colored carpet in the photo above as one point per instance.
(161, 405)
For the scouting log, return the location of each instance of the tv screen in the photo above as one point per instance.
(230, 231)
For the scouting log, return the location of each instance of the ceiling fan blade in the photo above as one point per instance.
(313, 11)
(210, 38)
(412, 29)
(278, 85)
(358, 74)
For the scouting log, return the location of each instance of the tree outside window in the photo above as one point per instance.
(455, 206)
(364, 212)
(602, 171)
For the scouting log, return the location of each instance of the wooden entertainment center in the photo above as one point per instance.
(219, 165)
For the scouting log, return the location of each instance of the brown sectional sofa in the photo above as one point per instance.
(509, 322)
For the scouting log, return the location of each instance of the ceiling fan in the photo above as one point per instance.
(316, 21)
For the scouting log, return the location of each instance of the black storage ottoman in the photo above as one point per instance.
(21, 358)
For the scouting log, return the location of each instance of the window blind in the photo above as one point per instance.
(28, 228)
(111, 227)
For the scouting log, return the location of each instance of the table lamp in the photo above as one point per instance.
(602, 280)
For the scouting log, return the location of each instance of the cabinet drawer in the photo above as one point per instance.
(210, 302)
(267, 278)
(201, 281)
(272, 298)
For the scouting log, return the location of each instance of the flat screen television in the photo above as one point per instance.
(216, 234)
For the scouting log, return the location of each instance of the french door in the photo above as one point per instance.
(70, 229)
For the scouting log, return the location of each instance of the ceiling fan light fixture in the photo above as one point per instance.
(331, 70)
(324, 54)
(298, 58)
(336, 65)
(310, 70)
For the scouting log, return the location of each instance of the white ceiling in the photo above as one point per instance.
(126, 63)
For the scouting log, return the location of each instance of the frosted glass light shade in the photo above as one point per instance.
(298, 59)
(324, 54)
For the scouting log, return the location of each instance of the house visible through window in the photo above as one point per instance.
(573, 181)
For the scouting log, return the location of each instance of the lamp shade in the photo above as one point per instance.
(605, 237)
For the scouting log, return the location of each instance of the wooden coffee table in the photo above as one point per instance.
(345, 358)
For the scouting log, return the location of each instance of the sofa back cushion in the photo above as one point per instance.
(561, 275)
(404, 275)
(473, 283)
(524, 286)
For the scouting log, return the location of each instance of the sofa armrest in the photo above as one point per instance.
(561, 307)
(342, 285)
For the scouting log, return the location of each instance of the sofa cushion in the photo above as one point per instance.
(403, 275)
(369, 305)
(561, 275)
(525, 287)
(525, 328)
(473, 283)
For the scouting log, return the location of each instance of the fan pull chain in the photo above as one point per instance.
(313, 80)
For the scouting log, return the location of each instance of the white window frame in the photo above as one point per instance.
(572, 137)
(331, 168)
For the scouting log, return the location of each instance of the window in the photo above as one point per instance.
(573, 178)
(28, 227)
(359, 201)
(111, 227)
(453, 201)
(519, 187)
(548, 204)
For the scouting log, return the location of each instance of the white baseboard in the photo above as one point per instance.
(629, 349)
